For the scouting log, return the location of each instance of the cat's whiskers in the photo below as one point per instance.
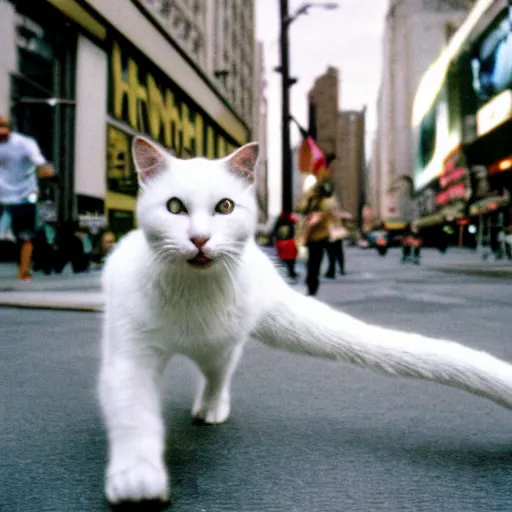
(229, 272)
(165, 251)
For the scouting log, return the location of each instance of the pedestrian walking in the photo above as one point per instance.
(406, 247)
(485, 247)
(500, 249)
(44, 249)
(70, 248)
(21, 164)
(508, 242)
(319, 213)
(286, 247)
(443, 239)
(411, 245)
(337, 234)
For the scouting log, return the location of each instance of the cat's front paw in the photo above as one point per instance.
(142, 481)
(212, 411)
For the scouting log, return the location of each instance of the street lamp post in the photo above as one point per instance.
(286, 156)
(287, 82)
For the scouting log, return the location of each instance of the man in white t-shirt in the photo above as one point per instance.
(21, 164)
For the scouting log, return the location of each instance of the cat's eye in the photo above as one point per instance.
(225, 206)
(174, 205)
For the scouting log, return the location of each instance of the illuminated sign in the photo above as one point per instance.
(455, 192)
(452, 176)
(433, 79)
(453, 182)
(149, 102)
(501, 166)
(494, 113)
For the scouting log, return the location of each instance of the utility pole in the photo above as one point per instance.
(287, 82)
(286, 160)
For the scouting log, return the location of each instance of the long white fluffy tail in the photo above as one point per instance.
(306, 326)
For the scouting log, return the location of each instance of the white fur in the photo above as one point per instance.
(157, 306)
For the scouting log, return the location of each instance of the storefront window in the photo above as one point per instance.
(427, 141)
(42, 97)
(33, 83)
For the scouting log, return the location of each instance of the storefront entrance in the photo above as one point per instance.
(42, 100)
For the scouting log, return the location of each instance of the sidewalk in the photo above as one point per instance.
(73, 301)
(64, 281)
(82, 292)
(79, 292)
(466, 261)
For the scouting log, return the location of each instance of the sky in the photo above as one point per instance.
(348, 38)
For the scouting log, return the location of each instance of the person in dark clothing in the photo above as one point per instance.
(70, 249)
(319, 211)
(284, 235)
(411, 245)
(336, 255)
(44, 251)
(337, 233)
(406, 248)
(316, 250)
(443, 240)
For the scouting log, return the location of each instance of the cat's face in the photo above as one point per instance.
(198, 213)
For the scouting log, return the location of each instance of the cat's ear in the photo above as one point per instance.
(149, 159)
(243, 160)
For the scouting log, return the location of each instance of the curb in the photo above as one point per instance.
(53, 307)
(92, 302)
(502, 272)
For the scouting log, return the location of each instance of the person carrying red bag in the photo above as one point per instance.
(285, 244)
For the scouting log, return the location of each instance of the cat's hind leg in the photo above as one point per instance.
(213, 400)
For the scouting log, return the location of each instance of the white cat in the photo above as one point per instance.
(192, 281)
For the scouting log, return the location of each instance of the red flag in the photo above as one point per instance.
(311, 158)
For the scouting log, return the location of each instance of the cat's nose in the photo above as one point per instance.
(199, 241)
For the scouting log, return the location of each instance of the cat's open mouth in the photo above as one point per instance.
(200, 260)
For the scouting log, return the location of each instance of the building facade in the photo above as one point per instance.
(84, 77)
(324, 126)
(260, 132)
(350, 185)
(415, 32)
(323, 101)
(462, 128)
(219, 37)
(340, 135)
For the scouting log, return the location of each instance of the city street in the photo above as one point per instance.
(305, 435)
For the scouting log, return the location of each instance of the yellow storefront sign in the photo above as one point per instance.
(151, 108)
(144, 100)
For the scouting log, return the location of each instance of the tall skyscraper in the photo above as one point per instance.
(260, 132)
(350, 182)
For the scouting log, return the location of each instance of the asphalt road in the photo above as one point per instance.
(305, 435)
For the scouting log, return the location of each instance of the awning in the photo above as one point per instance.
(489, 204)
(310, 157)
(454, 211)
(430, 220)
(392, 225)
